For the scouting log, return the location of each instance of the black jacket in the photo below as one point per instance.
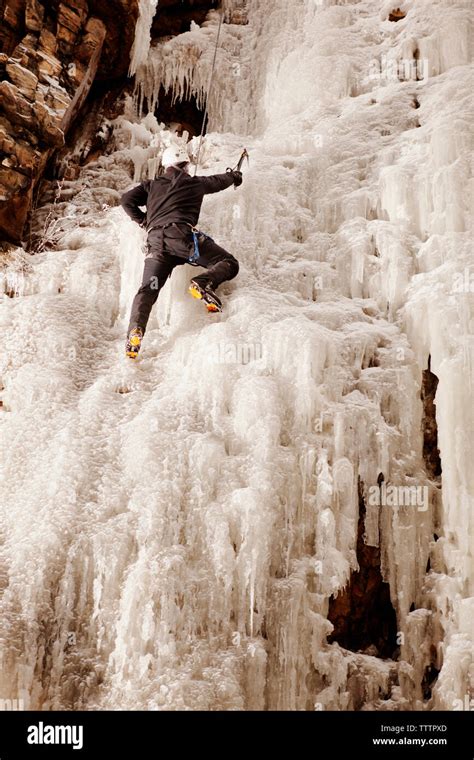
(175, 197)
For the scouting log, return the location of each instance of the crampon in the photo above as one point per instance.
(134, 342)
(205, 293)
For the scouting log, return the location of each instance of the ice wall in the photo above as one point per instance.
(183, 66)
(173, 531)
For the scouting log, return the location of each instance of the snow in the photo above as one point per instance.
(173, 530)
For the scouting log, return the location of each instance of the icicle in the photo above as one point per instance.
(141, 43)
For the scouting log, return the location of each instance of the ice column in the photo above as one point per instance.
(141, 43)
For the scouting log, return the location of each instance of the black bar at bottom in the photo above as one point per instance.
(154, 734)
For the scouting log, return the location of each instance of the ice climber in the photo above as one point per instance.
(173, 202)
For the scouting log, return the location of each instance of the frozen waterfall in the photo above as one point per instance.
(184, 533)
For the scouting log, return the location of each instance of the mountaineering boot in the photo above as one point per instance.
(134, 342)
(206, 293)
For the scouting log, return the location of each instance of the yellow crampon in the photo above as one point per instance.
(133, 344)
(196, 293)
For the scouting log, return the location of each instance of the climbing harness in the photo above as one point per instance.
(195, 255)
(194, 231)
(193, 259)
(208, 92)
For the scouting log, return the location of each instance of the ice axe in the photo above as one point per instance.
(244, 155)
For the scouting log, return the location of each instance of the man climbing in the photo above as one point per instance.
(173, 203)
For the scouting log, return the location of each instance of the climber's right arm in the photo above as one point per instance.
(133, 199)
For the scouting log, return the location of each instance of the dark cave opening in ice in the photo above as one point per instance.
(362, 614)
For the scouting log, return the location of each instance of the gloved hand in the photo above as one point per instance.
(237, 178)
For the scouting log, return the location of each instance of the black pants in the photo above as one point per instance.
(220, 266)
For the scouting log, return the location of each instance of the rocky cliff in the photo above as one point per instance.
(50, 54)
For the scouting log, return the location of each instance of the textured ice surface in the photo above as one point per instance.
(172, 530)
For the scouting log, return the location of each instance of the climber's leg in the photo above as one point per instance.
(155, 273)
(220, 265)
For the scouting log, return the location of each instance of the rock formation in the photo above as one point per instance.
(50, 54)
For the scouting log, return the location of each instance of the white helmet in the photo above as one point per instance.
(174, 155)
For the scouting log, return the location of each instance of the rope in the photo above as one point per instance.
(208, 92)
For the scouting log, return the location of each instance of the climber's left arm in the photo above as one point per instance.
(133, 199)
